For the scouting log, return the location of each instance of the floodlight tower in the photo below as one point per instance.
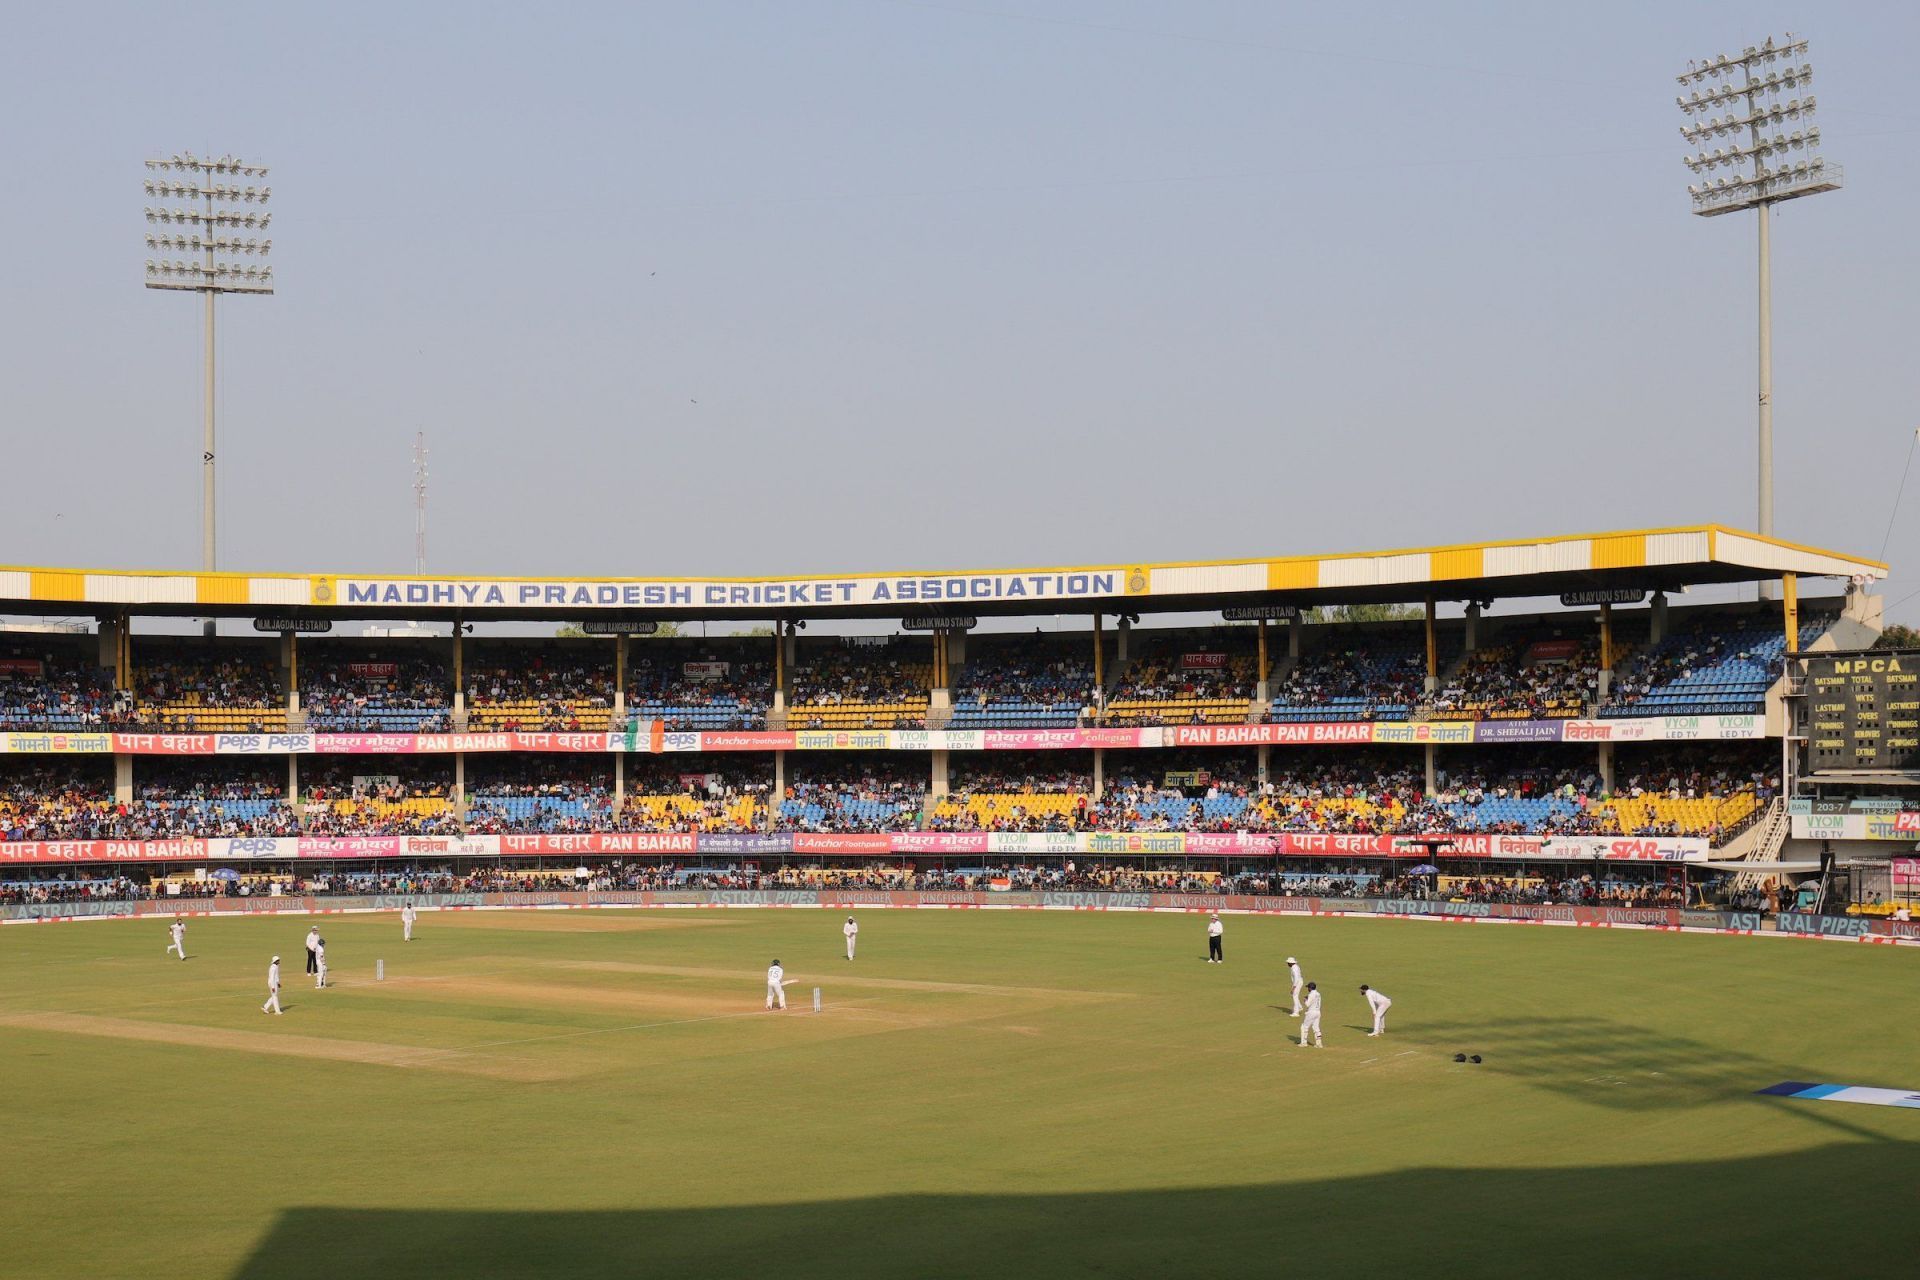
(419, 504)
(209, 228)
(1743, 100)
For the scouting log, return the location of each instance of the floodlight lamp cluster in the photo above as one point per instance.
(187, 162)
(216, 244)
(1743, 95)
(223, 277)
(174, 187)
(218, 218)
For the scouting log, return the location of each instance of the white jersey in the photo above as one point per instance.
(320, 953)
(1313, 1004)
(1293, 974)
(850, 929)
(775, 974)
(176, 929)
(1215, 928)
(273, 976)
(1378, 1000)
(313, 939)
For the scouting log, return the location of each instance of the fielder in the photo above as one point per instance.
(320, 964)
(1310, 1019)
(407, 917)
(1214, 930)
(1293, 974)
(1377, 1000)
(776, 986)
(273, 989)
(313, 940)
(179, 931)
(852, 931)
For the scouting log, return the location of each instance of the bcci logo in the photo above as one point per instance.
(323, 590)
(1136, 582)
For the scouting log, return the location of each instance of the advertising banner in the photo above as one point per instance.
(1203, 661)
(944, 842)
(1517, 731)
(741, 740)
(623, 593)
(1069, 739)
(1260, 735)
(843, 739)
(842, 842)
(374, 670)
(749, 843)
(649, 843)
(1456, 732)
(1856, 826)
(705, 670)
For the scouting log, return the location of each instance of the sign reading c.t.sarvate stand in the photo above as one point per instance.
(905, 844)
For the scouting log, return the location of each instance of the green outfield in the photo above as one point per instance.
(986, 1093)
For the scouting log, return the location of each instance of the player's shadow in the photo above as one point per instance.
(1705, 1218)
(1610, 1063)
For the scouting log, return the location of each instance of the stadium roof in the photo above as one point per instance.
(1644, 559)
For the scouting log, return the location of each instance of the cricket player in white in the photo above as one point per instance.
(179, 931)
(1378, 1001)
(1293, 973)
(776, 986)
(1310, 1020)
(273, 989)
(407, 917)
(1214, 930)
(320, 962)
(313, 940)
(852, 931)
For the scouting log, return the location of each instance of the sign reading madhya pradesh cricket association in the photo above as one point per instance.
(623, 593)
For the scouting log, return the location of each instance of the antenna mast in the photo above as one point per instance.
(419, 503)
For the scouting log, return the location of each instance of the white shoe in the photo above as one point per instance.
(1372, 1034)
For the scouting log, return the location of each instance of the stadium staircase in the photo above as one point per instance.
(1759, 843)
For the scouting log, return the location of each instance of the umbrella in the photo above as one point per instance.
(225, 873)
(1424, 869)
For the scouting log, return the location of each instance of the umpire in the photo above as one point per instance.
(1214, 930)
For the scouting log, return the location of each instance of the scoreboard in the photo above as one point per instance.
(1863, 710)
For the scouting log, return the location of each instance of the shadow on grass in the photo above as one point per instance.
(1605, 1062)
(1737, 1217)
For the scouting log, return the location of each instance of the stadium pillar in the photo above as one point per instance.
(1606, 651)
(293, 782)
(1790, 598)
(1099, 657)
(290, 661)
(1433, 650)
(1473, 626)
(1606, 767)
(1657, 619)
(123, 778)
(619, 782)
(937, 784)
(1123, 633)
(459, 677)
(782, 655)
(1099, 773)
(779, 788)
(619, 679)
(1260, 691)
(460, 787)
(1432, 781)
(1265, 756)
(1293, 638)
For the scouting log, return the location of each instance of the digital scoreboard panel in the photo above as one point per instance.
(1864, 710)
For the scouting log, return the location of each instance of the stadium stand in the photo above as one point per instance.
(696, 793)
(509, 794)
(1186, 678)
(352, 687)
(383, 795)
(1034, 681)
(844, 685)
(1714, 665)
(1358, 674)
(1017, 791)
(857, 793)
(1531, 672)
(556, 686)
(700, 685)
(53, 682)
(194, 687)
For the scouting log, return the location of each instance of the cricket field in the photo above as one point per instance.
(985, 1093)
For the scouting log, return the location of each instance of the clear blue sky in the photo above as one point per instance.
(738, 286)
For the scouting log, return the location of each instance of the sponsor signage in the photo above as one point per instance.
(940, 622)
(1856, 826)
(757, 595)
(1614, 595)
(619, 627)
(1261, 613)
(1203, 661)
(294, 626)
(1863, 710)
(705, 670)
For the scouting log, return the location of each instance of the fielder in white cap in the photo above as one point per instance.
(1293, 976)
(273, 989)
